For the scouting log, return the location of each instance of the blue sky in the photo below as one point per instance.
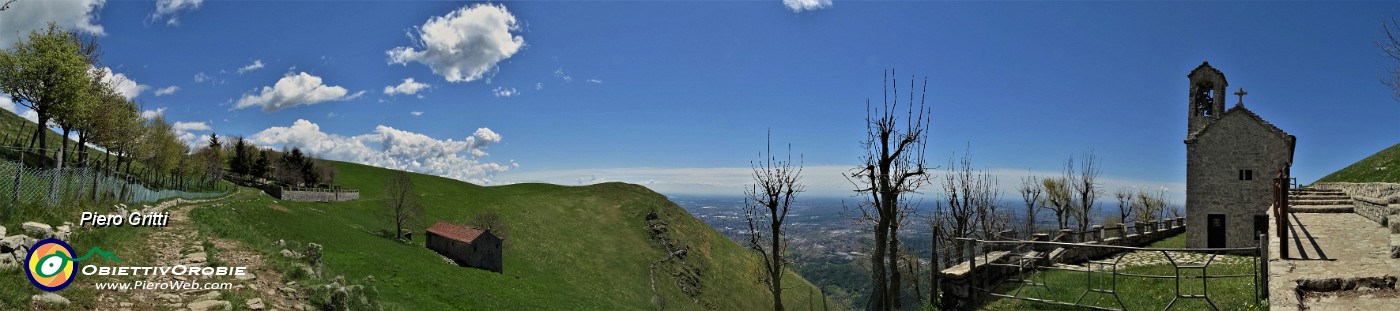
(678, 95)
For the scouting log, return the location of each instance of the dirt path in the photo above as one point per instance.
(180, 243)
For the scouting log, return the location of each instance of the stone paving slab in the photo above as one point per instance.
(1323, 246)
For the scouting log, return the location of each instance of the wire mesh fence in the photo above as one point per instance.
(33, 185)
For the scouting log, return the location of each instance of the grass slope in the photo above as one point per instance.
(1384, 166)
(584, 247)
(12, 125)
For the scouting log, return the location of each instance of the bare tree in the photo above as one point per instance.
(1031, 191)
(1125, 203)
(1057, 199)
(970, 207)
(491, 221)
(776, 186)
(893, 165)
(401, 202)
(1084, 183)
(1390, 44)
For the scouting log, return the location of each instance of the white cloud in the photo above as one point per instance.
(560, 73)
(257, 64)
(504, 92)
(201, 77)
(463, 45)
(167, 90)
(190, 126)
(392, 148)
(168, 10)
(7, 103)
(408, 87)
(294, 90)
(124, 85)
(32, 116)
(416, 113)
(539, 86)
(152, 114)
(806, 5)
(184, 131)
(28, 15)
(595, 81)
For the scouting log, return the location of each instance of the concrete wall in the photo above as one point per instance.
(317, 196)
(1234, 142)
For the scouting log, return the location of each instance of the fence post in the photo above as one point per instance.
(1263, 266)
(970, 279)
(1098, 233)
(935, 269)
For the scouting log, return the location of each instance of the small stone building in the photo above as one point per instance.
(1232, 157)
(466, 246)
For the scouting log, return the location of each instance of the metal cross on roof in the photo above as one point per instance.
(1241, 93)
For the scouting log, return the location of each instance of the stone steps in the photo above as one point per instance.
(1318, 197)
(1319, 202)
(1316, 191)
(1322, 208)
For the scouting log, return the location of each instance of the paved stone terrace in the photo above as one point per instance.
(1322, 246)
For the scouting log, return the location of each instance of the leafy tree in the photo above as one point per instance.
(239, 163)
(262, 166)
(289, 171)
(1058, 199)
(78, 113)
(45, 73)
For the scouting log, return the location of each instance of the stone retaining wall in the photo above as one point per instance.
(1371, 200)
(1377, 191)
(1071, 255)
(316, 196)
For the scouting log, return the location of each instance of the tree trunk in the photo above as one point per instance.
(63, 147)
(878, 301)
(894, 292)
(776, 273)
(82, 149)
(41, 133)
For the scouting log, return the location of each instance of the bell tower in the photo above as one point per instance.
(1207, 98)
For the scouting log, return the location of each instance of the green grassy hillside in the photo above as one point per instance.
(587, 247)
(1384, 166)
(12, 125)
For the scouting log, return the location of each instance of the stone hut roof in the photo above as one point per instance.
(456, 232)
(1239, 108)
